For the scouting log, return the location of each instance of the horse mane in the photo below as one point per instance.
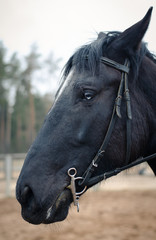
(98, 48)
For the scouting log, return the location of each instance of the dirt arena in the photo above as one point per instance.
(124, 214)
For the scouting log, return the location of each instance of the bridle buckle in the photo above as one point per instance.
(94, 163)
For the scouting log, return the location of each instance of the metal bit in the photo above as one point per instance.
(72, 173)
(76, 195)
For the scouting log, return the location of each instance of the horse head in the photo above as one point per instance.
(78, 121)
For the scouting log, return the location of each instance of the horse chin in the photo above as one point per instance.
(59, 210)
(55, 213)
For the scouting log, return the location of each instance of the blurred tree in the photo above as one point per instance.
(32, 64)
(52, 64)
(3, 95)
(13, 82)
(42, 106)
(22, 109)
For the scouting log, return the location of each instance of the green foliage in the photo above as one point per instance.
(21, 116)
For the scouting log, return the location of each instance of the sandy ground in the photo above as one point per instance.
(123, 213)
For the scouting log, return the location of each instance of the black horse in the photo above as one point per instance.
(107, 101)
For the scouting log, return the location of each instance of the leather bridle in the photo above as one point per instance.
(122, 91)
(87, 180)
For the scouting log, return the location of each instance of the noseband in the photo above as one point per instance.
(87, 180)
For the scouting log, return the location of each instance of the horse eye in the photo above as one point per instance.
(88, 94)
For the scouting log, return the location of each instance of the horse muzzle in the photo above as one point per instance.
(54, 209)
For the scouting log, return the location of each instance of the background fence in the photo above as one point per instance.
(10, 166)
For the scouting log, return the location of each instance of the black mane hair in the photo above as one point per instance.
(97, 49)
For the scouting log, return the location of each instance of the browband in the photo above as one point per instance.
(114, 64)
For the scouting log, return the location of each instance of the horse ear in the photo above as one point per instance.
(132, 37)
(101, 35)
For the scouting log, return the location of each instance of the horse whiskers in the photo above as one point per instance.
(49, 212)
(56, 203)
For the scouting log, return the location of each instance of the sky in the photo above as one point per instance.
(62, 26)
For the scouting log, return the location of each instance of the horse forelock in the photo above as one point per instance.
(98, 48)
(93, 50)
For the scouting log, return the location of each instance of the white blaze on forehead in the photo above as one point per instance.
(62, 88)
(64, 85)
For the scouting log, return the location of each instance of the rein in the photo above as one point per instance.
(87, 180)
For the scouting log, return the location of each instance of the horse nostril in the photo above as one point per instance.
(26, 195)
(28, 200)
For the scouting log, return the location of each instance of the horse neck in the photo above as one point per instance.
(147, 81)
(147, 84)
